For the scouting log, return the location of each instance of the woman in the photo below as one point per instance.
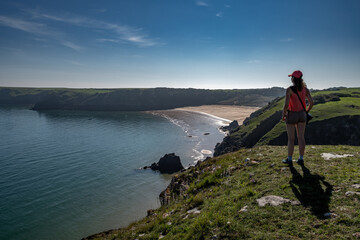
(295, 116)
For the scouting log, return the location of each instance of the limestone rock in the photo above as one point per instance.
(194, 211)
(273, 200)
(350, 193)
(244, 209)
(329, 156)
(357, 234)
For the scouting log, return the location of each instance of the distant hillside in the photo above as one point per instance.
(134, 99)
(336, 121)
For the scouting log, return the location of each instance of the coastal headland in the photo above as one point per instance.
(245, 192)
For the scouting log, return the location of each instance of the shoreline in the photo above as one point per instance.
(226, 113)
(221, 115)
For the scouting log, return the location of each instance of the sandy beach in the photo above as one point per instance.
(226, 112)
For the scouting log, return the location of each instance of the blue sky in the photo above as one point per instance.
(170, 43)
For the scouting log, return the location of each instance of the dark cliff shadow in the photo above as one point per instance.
(309, 191)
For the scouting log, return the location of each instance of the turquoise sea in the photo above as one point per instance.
(70, 174)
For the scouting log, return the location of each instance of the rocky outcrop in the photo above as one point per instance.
(231, 127)
(169, 163)
(231, 143)
(177, 187)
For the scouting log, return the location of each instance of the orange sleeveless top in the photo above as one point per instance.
(295, 104)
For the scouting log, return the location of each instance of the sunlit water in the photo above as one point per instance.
(70, 174)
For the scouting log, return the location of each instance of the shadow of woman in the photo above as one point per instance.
(309, 191)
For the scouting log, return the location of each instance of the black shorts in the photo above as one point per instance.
(295, 117)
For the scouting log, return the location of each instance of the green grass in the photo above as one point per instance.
(346, 106)
(221, 186)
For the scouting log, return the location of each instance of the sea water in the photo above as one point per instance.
(70, 174)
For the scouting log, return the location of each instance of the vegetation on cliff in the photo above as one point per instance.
(336, 121)
(217, 198)
(135, 99)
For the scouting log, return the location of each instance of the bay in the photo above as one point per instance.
(69, 174)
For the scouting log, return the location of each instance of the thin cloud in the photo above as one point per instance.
(39, 30)
(219, 14)
(228, 6)
(72, 45)
(26, 26)
(201, 3)
(122, 32)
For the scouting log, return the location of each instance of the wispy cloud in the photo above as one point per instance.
(286, 40)
(201, 3)
(27, 26)
(219, 14)
(122, 33)
(40, 30)
(72, 45)
(226, 5)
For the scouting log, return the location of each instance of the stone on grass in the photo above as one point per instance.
(244, 209)
(273, 200)
(329, 156)
(194, 211)
(356, 186)
(350, 193)
(357, 234)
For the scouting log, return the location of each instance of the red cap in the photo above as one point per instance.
(297, 74)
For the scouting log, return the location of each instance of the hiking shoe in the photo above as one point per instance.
(287, 161)
(300, 161)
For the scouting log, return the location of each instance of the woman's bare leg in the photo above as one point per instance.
(300, 129)
(291, 138)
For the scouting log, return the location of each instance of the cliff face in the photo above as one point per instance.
(336, 121)
(134, 99)
(344, 130)
(231, 144)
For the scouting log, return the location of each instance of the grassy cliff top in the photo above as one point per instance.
(217, 199)
(264, 127)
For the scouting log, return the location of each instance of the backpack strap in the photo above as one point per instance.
(293, 88)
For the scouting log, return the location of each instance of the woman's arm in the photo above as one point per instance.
(286, 105)
(310, 100)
